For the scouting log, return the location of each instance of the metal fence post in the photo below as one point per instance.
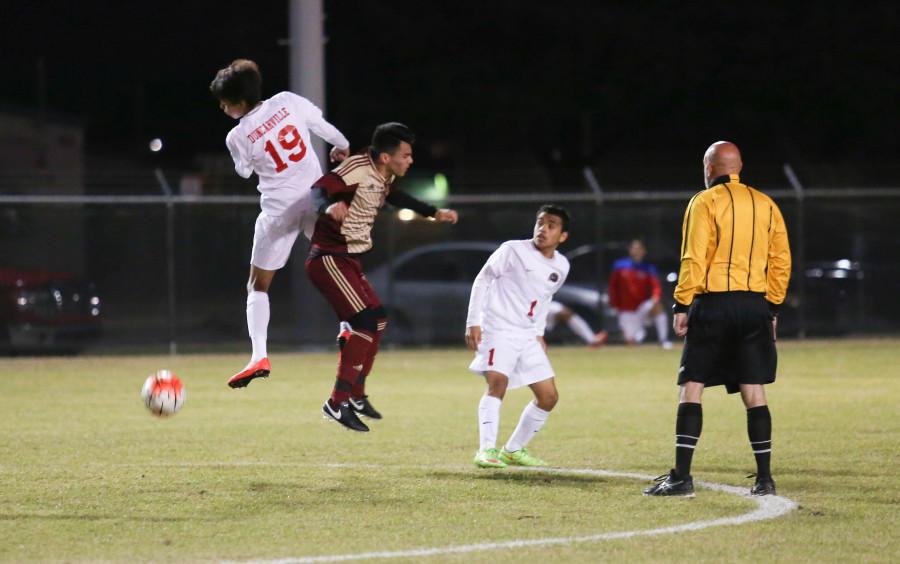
(170, 258)
(591, 180)
(800, 238)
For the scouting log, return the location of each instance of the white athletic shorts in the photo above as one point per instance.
(274, 237)
(552, 311)
(633, 323)
(519, 357)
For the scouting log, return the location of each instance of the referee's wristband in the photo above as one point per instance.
(680, 308)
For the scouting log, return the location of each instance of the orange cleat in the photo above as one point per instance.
(258, 369)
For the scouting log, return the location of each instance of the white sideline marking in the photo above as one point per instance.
(768, 507)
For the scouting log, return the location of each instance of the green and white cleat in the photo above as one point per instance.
(520, 458)
(489, 458)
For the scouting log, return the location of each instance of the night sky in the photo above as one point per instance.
(635, 81)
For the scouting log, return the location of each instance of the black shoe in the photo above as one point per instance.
(344, 415)
(763, 486)
(671, 484)
(364, 407)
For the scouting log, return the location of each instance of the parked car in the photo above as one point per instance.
(43, 311)
(426, 292)
(832, 289)
(833, 300)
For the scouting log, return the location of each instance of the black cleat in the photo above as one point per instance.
(672, 485)
(344, 415)
(763, 486)
(364, 407)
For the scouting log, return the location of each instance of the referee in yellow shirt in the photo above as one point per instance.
(735, 267)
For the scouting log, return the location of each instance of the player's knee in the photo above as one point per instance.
(366, 320)
(496, 385)
(690, 392)
(547, 400)
(564, 315)
(754, 395)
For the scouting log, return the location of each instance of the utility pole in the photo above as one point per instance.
(307, 57)
(306, 42)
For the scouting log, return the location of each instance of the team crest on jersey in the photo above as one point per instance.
(554, 277)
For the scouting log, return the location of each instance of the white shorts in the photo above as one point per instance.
(274, 236)
(519, 358)
(633, 323)
(552, 311)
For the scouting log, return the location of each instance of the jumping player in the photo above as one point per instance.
(348, 199)
(273, 141)
(505, 327)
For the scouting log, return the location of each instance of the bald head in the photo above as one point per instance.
(721, 158)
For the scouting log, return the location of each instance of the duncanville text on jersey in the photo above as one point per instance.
(268, 125)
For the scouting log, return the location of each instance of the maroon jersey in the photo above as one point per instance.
(357, 183)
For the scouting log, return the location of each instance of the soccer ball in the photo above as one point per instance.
(163, 393)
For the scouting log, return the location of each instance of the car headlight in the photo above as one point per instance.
(27, 299)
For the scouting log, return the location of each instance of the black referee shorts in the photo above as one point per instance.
(729, 341)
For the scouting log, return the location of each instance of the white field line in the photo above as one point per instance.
(767, 507)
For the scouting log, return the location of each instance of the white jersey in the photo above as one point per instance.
(273, 141)
(514, 289)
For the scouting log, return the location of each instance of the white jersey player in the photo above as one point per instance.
(508, 308)
(273, 141)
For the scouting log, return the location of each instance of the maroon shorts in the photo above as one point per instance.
(342, 282)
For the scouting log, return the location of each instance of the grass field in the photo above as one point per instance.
(87, 474)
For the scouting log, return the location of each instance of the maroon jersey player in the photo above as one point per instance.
(348, 199)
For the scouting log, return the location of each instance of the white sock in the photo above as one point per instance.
(580, 327)
(345, 326)
(532, 420)
(488, 421)
(662, 327)
(258, 323)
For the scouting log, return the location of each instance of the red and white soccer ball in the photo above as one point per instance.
(163, 393)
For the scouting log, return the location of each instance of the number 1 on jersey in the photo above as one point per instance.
(288, 138)
(531, 311)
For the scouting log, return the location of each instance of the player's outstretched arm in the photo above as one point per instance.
(400, 199)
(324, 129)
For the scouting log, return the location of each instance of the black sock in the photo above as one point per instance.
(687, 433)
(759, 429)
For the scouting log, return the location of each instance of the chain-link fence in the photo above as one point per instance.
(153, 272)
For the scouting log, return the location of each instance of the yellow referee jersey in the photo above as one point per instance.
(733, 239)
